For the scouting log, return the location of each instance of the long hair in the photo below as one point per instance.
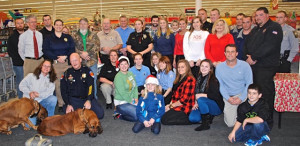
(165, 60)
(157, 54)
(226, 27)
(157, 90)
(52, 74)
(192, 27)
(188, 72)
(168, 30)
(211, 76)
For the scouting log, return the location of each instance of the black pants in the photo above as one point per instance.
(285, 67)
(104, 58)
(179, 57)
(168, 98)
(173, 117)
(171, 57)
(195, 70)
(263, 77)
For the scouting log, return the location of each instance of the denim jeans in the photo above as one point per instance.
(95, 71)
(127, 111)
(139, 126)
(19, 77)
(252, 131)
(205, 106)
(49, 104)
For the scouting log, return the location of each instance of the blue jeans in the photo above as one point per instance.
(127, 111)
(252, 131)
(19, 77)
(205, 106)
(139, 126)
(94, 70)
(49, 104)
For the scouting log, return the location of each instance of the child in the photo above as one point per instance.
(150, 107)
(251, 125)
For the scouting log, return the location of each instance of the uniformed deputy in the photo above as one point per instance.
(140, 42)
(77, 88)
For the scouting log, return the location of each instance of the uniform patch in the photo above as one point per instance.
(274, 32)
(91, 74)
(90, 90)
(62, 76)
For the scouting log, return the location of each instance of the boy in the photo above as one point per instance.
(251, 125)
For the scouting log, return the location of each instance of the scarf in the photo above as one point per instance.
(201, 84)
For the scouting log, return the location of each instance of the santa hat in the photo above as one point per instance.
(123, 57)
(151, 80)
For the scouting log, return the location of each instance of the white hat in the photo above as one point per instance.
(151, 80)
(124, 57)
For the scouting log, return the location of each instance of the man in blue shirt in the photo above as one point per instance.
(124, 30)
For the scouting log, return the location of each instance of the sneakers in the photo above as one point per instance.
(250, 142)
(262, 139)
(116, 115)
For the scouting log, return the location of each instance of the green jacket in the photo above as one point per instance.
(125, 87)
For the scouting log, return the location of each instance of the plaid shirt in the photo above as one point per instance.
(186, 95)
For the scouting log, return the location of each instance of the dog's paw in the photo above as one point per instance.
(9, 133)
(35, 127)
(26, 128)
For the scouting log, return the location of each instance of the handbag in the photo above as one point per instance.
(38, 140)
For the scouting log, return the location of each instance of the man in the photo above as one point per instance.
(214, 15)
(124, 30)
(87, 46)
(30, 46)
(238, 26)
(202, 13)
(109, 40)
(234, 76)
(153, 29)
(262, 52)
(12, 49)
(48, 28)
(77, 88)
(289, 44)
(240, 38)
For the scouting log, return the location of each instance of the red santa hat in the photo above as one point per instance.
(151, 80)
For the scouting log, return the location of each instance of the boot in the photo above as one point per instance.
(205, 123)
(211, 118)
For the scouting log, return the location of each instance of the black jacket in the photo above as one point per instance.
(263, 44)
(12, 49)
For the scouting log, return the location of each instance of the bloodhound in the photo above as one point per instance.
(18, 111)
(79, 121)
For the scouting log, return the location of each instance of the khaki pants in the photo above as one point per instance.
(230, 113)
(30, 65)
(60, 68)
(107, 91)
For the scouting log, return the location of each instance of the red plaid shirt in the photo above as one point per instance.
(186, 95)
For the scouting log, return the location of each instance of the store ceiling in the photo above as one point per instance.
(113, 8)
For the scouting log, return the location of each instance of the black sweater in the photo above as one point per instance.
(12, 49)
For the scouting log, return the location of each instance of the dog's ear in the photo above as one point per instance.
(86, 130)
(99, 128)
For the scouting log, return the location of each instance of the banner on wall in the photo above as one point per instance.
(275, 4)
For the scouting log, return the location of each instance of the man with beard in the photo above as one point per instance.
(12, 49)
(48, 28)
(262, 52)
(87, 46)
(202, 13)
(153, 29)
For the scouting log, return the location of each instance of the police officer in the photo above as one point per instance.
(140, 42)
(77, 88)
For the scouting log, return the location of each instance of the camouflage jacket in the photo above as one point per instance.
(92, 47)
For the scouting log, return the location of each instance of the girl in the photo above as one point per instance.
(178, 49)
(150, 107)
(175, 26)
(166, 78)
(154, 63)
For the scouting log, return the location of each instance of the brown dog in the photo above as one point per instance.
(79, 121)
(18, 111)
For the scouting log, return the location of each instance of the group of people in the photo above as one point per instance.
(217, 70)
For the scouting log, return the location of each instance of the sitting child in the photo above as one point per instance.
(251, 125)
(150, 107)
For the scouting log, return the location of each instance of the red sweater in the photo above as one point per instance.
(215, 47)
(178, 49)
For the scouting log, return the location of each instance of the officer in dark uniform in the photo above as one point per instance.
(140, 42)
(77, 88)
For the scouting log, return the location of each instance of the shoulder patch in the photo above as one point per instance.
(91, 74)
(62, 76)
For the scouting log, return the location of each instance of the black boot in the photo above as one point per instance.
(205, 123)
(109, 106)
(211, 118)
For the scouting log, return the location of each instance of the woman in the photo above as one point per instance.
(209, 101)
(39, 86)
(193, 44)
(140, 42)
(126, 92)
(175, 26)
(178, 49)
(183, 99)
(216, 42)
(65, 30)
(154, 63)
(164, 40)
(58, 47)
(166, 78)
(139, 71)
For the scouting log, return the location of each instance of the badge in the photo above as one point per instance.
(65, 39)
(144, 36)
(70, 78)
(83, 75)
(167, 37)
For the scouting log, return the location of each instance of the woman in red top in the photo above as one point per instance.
(183, 99)
(178, 49)
(216, 42)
